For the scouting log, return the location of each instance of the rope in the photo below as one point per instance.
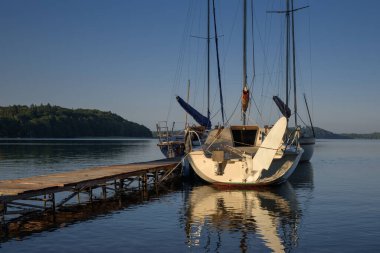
(171, 171)
(167, 174)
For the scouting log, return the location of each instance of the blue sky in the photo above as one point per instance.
(132, 57)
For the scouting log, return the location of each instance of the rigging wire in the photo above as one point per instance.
(264, 45)
(303, 121)
(196, 69)
(226, 52)
(180, 58)
(186, 50)
(269, 75)
(233, 112)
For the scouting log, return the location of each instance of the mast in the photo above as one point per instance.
(187, 99)
(245, 93)
(217, 59)
(245, 44)
(308, 113)
(208, 59)
(253, 46)
(287, 45)
(294, 69)
(287, 52)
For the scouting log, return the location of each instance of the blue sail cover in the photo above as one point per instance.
(197, 116)
(282, 106)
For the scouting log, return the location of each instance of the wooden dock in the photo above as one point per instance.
(25, 195)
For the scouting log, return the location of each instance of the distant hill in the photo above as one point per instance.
(321, 133)
(47, 121)
(324, 134)
(363, 136)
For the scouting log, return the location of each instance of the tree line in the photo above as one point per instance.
(47, 121)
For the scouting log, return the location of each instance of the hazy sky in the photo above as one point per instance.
(132, 57)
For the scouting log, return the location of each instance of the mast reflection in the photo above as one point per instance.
(267, 218)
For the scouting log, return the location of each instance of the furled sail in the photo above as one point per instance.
(197, 116)
(245, 99)
(282, 106)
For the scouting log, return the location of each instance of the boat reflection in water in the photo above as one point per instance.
(262, 219)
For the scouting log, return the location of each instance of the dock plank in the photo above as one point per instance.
(41, 183)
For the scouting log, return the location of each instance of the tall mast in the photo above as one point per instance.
(245, 95)
(217, 59)
(287, 12)
(208, 59)
(245, 44)
(287, 52)
(294, 69)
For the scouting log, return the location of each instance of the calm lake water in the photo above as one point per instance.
(331, 204)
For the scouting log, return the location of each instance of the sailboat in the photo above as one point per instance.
(248, 155)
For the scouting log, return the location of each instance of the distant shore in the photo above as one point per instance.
(321, 133)
(48, 121)
(372, 136)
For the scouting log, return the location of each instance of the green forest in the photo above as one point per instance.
(47, 121)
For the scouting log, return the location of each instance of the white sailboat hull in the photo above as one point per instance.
(237, 172)
(272, 163)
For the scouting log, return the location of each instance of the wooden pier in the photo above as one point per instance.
(38, 193)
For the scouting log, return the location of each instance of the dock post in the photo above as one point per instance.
(44, 201)
(104, 191)
(3, 210)
(156, 182)
(78, 195)
(4, 226)
(52, 200)
(121, 186)
(145, 181)
(145, 189)
(156, 176)
(90, 193)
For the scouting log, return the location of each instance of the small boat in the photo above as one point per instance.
(171, 144)
(174, 144)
